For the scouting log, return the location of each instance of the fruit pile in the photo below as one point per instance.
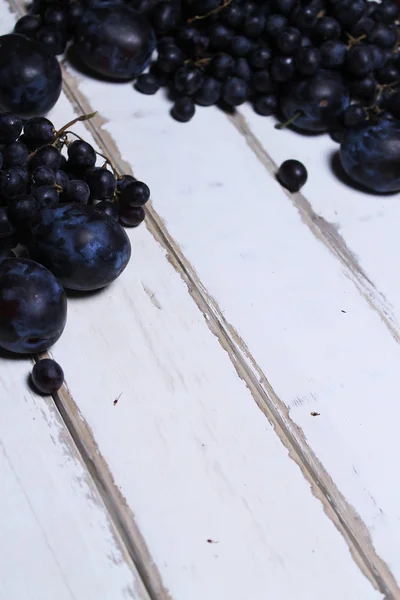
(61, 227)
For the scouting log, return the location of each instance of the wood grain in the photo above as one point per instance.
(56, 540)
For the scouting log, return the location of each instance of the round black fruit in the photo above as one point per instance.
(114, 41)
(47, 376)
(84, 248)
(33, 307)
(30, 77)
(292, 174)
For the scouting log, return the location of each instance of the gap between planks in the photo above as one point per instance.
(336, 507)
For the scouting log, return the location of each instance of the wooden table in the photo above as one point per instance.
(229, 425)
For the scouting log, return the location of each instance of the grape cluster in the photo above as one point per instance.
(62, 219)
(319, 63)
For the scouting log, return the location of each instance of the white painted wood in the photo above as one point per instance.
(296, 307)
(56, 541)
(192, 454)
(195, 458)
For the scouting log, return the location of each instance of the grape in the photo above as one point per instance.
(147, 83)
(27, 25)
(315, 103)
(12, 183)
(46, 195)
(131, 217)
(135, 194)
(170, 58)
(85, 249)
(62, 179)
(47, 376)
(209, 93)
(44, 176)
(6, 228)
(102, 184)
(123, 181)
(53, 40)
(30, 77)
(235, 91)
(109, 208)
(77, 191)
(266, 105)
(114, 41)
(22, 210)
(33, 307)
(222, 66)
(81, 155)
(46, 156)
(188, 80)
(292, 174)
(10, 128)
(183, 109)
(39, 131)
(15, 155)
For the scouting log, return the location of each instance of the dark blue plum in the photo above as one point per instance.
(315, 103)
(33, 306)
(114, 41)
(84, 248)
(30, 77)
(371, 155)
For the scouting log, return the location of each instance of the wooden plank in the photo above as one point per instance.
(56, 540)
(293, 312)
(214, 470)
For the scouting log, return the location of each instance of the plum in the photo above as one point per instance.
(371, 155)
(33, 306)
(114, 41)
(30, 77)
(315, 103)
(84, 248)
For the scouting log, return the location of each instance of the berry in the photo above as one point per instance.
(170, 58)
(77, 191)
(131, 217)
(44, 176)
(147, 83)
(209, 93)
(10, 128)
(260, 57)
(47, 376)
(45, 195)
(292, 174)
(134, 195)
(183, 109)
(282, 69)
(109, 208)
(222, 66)
(235, 91)
(308, 60)
(27, 25)
(266, 105)
(33, 307)
(46, 156)
(81, 155)
(101, 184)
(123, 181)
(15, 155)
(288, 40)
(39, 131)
(188, 80)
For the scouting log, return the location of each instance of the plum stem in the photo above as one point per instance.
(289, 121)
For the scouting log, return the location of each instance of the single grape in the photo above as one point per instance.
(39, 131)
(81, 155)
(27, 25)
(292, 174)
(123, 181)
(52, 39)
(147, 83)
(131, 217)
(235, 91)
(46, 156)
(23, 209)
(47, 376)
(109, 208)
(134, 195)
(43, 176)
(10, 128)
(62, 179)
(12, 183)
(188, 80)
(6, 227)
(222, 66)
(354, 116)
(102, 184)
(209, 93)
(15, 155)
(46, 195)
(170, 58)
(183, 110)
(77, 191)
(266, 105)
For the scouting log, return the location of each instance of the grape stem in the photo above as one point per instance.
(107, 162)
(76, 120)
(214, 11)
(289, 121)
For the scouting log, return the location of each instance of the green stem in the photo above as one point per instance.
(289, 121)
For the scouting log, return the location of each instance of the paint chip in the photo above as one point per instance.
(116, 399)
(210, 541)
(315, 414)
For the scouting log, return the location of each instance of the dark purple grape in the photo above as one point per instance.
(131, 217)
(22, 210)
(46, 195)
(77, 191)
(209, 93)
(260, 57)
(46, 156)
(354, 116)
(81, 155)
(10, 128)
(123, 181)
(134, 195)
(33, 307)
(266, 105)
(109, 208)
(15, 155)
(188, 80)
(6, 227)
(235, 91)
(292, 174)
(27, 25)
(170, 58)
(288, 41)
(62, 179)
(308, 60)
(56, 16)
(39, 131)
(222, 66)
(282, 68)
(12, 183)
(47, 376)
(52, 39)
(44, 176)
(102, 184)
(147, 83)
(183, 110)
